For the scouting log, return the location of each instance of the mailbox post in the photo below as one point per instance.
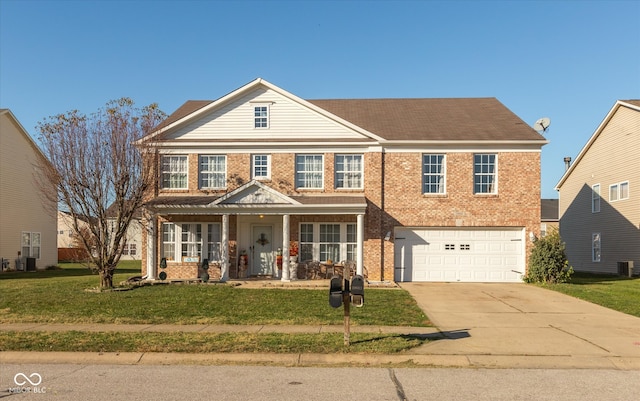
(342, 292)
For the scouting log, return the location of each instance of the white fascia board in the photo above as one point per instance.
(592, 139)
(467, 146)
(255, 147)
(328, 209)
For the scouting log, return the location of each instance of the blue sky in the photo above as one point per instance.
(566, 60)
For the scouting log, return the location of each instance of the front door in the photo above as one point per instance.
(262, 254)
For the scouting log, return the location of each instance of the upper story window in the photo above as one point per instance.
(433, 174)
(309, 171)
(261, 167)
(349, 171)
(261, 116)
(485, 174)
(595, 198)
(213, 171)
(619, 191)
(174, 172)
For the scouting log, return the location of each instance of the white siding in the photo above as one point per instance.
(21, 207)
(287, 120)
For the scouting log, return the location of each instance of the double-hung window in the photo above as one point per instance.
(433, 174)
(174, 172)
(349, 171)
(31, 244)
(619, 191)
(214, 241)
(595, 198)
(213, 171)
(328, 241)
(309, 171)
(485, 174)
(261, 116)
(191, 240)
(261, 167)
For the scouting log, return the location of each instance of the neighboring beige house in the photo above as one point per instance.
(27, 223)
(67, 246)
(132, 249)
(600, 196)
(548, 216)
(406, 189)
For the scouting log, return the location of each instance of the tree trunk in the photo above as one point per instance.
(106, 278)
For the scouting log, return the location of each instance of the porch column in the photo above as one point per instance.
(285, 248)
(224, 252)
(360, 245)
(151, 248)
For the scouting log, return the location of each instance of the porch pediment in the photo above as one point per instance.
(254, 193)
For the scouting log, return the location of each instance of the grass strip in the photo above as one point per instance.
(614, 292)
(237, 342)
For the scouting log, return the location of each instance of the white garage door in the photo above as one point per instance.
(470, 255)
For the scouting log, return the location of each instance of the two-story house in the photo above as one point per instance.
(27, 220)
(407, 189)
(599, 201)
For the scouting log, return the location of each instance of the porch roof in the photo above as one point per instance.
(304, 204)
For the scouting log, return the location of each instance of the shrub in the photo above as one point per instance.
(548, 262)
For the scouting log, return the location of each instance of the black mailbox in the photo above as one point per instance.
(335, 292)
(357, 291)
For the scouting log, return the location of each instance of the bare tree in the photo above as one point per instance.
(95, 164)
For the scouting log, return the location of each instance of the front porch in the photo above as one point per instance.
(253, 232)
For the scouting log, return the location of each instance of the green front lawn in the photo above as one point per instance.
(614, 292)
(60, 296)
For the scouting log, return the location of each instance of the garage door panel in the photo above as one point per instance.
(474, 255)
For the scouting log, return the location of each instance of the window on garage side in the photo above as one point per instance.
(485, 174)
(433, 174)
(349, 171)
(324, 241)
(596, 249)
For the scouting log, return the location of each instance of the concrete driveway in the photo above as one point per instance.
(490, 322)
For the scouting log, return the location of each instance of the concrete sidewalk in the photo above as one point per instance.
(478, 325)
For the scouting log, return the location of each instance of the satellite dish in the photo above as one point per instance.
(542, 124)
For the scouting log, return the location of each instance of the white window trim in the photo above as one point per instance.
(495, 175)
(316, 239)
(177, 242)
(200, 172)
(344, 172)
(443, 174)
(253, 167)
(295, 178)
(596, 257)
(267, 117)
(162, 172)
(595, 196)
(618, 191)
(31, 245)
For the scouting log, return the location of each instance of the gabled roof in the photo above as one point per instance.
(24, 133)
(433, 119)
(633, 104)
(460, 119)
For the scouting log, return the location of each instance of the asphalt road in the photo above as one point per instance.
(71, 382)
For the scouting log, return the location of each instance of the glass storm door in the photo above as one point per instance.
(263, 259)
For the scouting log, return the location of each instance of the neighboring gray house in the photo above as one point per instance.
(600, 197)
(27, 222)
(548, 216)
(132, 248)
